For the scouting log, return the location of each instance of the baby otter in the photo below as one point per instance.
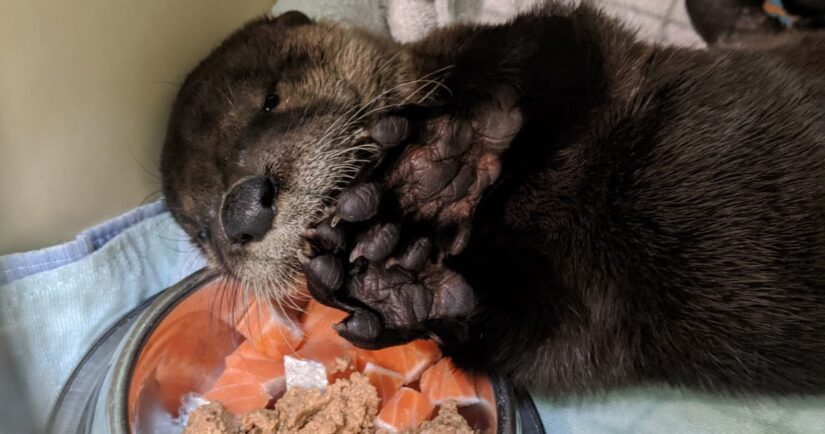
(551, 199)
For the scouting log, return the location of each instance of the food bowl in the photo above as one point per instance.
(118, 388)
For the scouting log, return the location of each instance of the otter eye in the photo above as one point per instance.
(202, 235)
(271, 102)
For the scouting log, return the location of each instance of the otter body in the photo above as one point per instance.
(638, 214)
(674, 231)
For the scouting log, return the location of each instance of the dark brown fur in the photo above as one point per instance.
(660, 217)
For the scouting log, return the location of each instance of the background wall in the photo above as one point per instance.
(85, 90)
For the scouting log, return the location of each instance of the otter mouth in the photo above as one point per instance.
(274, 259)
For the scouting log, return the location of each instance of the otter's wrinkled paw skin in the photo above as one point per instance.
(390, 299)
(388, 270)
(406, 305)
(440, 178)
(358, 203)
(322, 264)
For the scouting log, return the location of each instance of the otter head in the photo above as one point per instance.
(265, 132)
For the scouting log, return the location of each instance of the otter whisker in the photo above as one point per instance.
(407, 99)
(424, 79)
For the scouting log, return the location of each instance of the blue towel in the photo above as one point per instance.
(55, 302)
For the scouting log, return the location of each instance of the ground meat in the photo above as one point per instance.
(340, 364)
(260, 422)
(347, 407)
(448, 421)
(211, 418)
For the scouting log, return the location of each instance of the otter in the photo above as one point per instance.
(551, 199)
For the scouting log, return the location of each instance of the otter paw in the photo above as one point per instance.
(433, 303)
(392, 293)
(381, 256)
(392, 306)
(450, 160)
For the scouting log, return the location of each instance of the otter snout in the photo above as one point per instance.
(248, 210)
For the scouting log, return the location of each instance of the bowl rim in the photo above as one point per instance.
(101, 353)
(136, 338)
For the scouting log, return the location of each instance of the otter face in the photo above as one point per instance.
(266, 131)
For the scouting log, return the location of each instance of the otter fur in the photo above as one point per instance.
(553, 200)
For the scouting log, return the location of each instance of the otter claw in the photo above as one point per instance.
(460, 240)
(359, 326)
(334, 221)
(365, 330)
(325, 237)
(303, 258)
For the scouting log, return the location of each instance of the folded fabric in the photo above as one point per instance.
(49, 317)
(656, 410)
(19, 265)
(407, 20)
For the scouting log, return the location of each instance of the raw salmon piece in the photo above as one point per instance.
(405, 410)
(189, 351)
(239, 391)
(318, 320)
(185, 352)
(270, 332)
(385, 381)
(338, 357)
(444, 382)
(268, 371)
(410, 359)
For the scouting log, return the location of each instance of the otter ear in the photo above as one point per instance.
(292, 19)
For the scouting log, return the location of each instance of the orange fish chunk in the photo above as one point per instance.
(189, 357)
(268, 371)
(444, 382)
(239, 391)
(271, 332)
(318, 320)
(185, 351)
(410, 359)
(405, 410)
(385, 381)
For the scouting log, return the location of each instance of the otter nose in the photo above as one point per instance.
(248, 210)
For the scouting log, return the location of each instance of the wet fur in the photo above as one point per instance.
(660, 217)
